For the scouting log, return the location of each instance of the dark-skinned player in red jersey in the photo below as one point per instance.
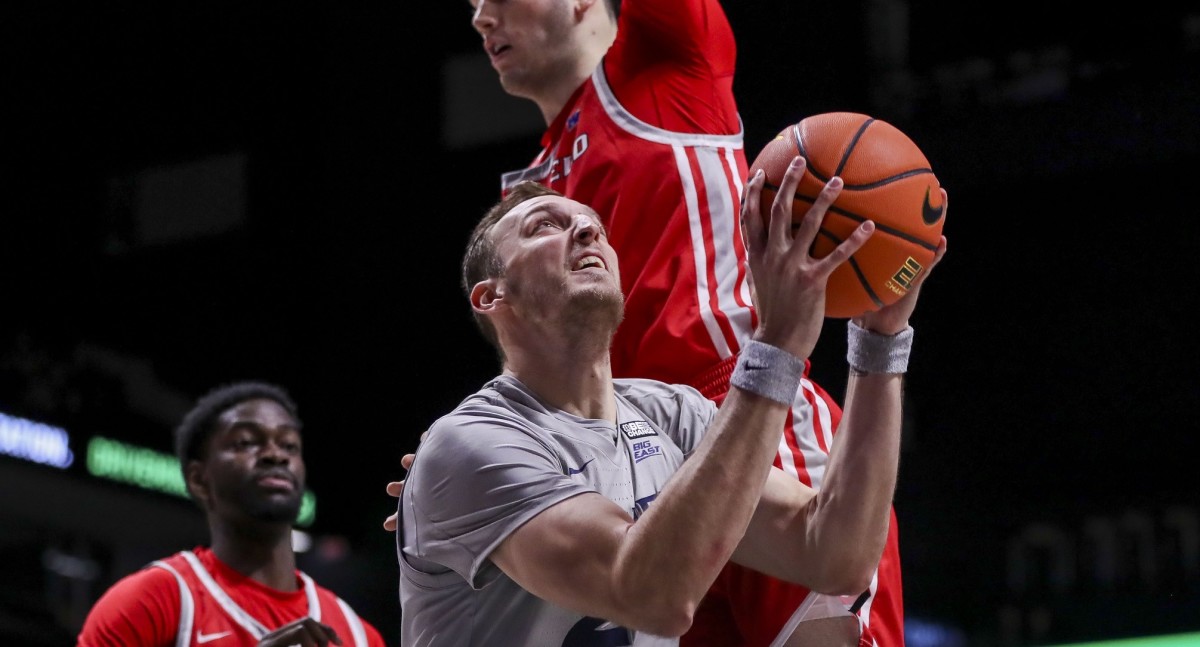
(240, 449)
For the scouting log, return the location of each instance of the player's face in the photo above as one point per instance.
(531, 43)
(254, 467)
(558, 262)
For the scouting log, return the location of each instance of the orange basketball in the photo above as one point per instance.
(887, 179)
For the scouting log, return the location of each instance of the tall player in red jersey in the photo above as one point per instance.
(643, 127)
(240, 450)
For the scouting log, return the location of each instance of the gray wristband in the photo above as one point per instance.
(869, 352)
(768, 371)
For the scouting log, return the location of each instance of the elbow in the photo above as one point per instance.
(669, 620)
(851, 582)
(849, 576)
(663, 611)
(648, 600)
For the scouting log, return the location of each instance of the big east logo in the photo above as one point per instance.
(644, 449)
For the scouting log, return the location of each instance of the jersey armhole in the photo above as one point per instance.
(187, 606)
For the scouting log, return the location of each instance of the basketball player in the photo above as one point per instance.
(517, 521)
(240, 451)
(643, 126)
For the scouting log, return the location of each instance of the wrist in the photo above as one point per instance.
(870, 352)
(876, 327)
(768, 371)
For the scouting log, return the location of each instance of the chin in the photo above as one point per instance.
(280, 515)
(274, 510)
(597, 308)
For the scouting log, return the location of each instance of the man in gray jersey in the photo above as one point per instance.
(557, 506)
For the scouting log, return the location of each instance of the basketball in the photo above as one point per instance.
(886, 179)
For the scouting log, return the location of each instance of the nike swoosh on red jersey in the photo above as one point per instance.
(202, 638)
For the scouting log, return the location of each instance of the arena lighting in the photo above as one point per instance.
(146, 468)
(301, 541)
(919, 632)
(35, 442)
(157, 471)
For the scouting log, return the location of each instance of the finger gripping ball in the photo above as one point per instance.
(887, 179)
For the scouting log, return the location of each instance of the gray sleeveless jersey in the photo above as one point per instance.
(495, 462)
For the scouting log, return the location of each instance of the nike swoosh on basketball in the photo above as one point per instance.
(572, 470)
(202, 638)
(929, 213)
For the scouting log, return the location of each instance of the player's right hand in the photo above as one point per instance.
(789, 283)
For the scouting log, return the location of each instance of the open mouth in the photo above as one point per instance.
(589, 261)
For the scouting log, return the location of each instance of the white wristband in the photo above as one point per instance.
(768, 371)
(869, 352)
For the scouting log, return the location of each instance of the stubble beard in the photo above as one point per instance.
(587, 313)
(279, 508)
(595, 312)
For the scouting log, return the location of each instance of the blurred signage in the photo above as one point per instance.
(108, 459)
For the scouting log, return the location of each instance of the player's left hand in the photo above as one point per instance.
(893, 319)
(396, 488)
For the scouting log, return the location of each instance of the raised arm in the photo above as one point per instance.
(832, 543)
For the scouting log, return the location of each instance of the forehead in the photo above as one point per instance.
(262, 412)
(545, 204)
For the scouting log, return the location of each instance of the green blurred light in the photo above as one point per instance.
(1172, 640)
(146, 468)
(308, 510)
(157, 471)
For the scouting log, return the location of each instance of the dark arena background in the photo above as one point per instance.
(204, 192)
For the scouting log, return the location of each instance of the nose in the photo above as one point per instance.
(586, 229)
(274, 452)
(483, 19)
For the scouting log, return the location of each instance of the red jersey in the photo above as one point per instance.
(192, 598)
(653, 142)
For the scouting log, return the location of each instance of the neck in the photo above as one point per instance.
(576, 378)
(261, 554)
(554, 96)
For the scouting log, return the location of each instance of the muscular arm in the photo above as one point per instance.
(587, 554)
(673, 65)
(831, 541)
(833, 544)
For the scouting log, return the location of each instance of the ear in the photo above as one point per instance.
(196, 482)
(583, 6)
(487, 296)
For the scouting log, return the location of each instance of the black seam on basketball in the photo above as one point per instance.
(813, 171)
(817, 174)
(870, 185)
(853, 142)
(862, 278)
(866, 286)
(888, 180)
(891, 231)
